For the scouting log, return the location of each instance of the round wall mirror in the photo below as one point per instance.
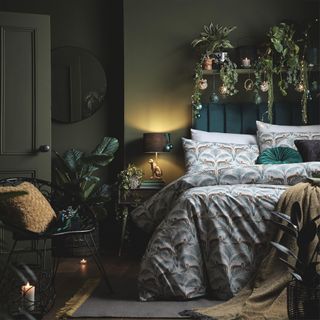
(78, 84)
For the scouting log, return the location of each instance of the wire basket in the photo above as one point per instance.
(303, 301)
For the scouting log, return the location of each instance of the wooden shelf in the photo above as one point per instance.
(215, 71)
(244, 71)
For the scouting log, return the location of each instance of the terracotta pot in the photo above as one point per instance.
(207, 63)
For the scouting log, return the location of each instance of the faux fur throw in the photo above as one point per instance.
(265, 296)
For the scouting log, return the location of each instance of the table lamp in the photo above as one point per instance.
(156, 142)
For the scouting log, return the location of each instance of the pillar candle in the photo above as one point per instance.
(28, 293)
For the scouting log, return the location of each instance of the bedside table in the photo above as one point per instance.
(132, 198)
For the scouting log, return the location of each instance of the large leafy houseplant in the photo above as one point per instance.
(75, 172)
(213, 38)
(303, 265)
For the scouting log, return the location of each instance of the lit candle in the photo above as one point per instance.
(246, 62)
(28, 294)
(83, 261)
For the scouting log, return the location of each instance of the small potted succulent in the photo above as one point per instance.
(213, 41)
(303, 291)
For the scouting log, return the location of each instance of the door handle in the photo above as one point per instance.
(44, 148)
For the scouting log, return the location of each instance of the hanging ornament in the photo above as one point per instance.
(264, 86)
(214, 98)
(203, 84)
(299, 87)
(248, 85)
(198, 106)
(257, 99)
(223, 90)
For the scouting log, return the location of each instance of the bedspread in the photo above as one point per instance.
(211, 229)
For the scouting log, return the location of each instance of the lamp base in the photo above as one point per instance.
(155, 170)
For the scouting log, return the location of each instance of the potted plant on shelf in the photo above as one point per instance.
(213, 41)
(303, 292)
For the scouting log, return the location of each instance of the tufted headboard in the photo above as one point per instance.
(241, 118)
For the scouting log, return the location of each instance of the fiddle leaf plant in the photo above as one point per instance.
(74, 172)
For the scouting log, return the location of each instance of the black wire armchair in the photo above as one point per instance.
(73, 219)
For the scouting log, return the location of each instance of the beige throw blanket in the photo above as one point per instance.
(265, 296)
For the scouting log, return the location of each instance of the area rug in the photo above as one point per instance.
(93, 301)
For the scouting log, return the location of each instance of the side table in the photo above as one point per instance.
(128, 200)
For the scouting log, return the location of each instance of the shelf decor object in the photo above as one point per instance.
(156, 142)
(284, 62)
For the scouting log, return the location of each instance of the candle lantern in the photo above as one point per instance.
(28, 296)
(247, 55)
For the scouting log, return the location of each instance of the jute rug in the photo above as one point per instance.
(93, 301)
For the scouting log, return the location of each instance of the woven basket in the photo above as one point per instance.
(303, 301)
(73, 245)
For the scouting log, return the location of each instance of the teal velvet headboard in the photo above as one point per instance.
(241, 118)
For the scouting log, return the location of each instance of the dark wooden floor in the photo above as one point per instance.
(71, 276)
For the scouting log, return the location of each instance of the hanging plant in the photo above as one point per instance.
(197, 90)
(304, 85)
(264, 69)
(286, 54)
(229, 77)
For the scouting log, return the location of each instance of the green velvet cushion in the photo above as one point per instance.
(279, 155)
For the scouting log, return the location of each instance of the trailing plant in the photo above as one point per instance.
(196, 95)
(264, 69)
(229, 77)
(301, 267)
(213, 38)
(286, 53)
(75, 172)
(130, 178)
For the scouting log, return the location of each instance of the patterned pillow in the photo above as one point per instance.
(283, 139)
(200, 156)
(267, 127)
(31, 211)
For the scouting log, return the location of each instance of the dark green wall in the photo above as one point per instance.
(159, 61)
(97, 26)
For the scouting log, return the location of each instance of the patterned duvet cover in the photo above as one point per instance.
(211, 229)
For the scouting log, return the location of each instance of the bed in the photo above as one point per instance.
(211, 228)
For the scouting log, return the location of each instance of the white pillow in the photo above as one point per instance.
(204, 136)
(263, 127)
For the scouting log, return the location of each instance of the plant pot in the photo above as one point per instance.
(207, 63)
(303, 301)
(73, 245)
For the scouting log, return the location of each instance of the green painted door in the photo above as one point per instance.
(25, 87)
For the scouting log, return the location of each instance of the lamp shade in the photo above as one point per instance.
(156, 142)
